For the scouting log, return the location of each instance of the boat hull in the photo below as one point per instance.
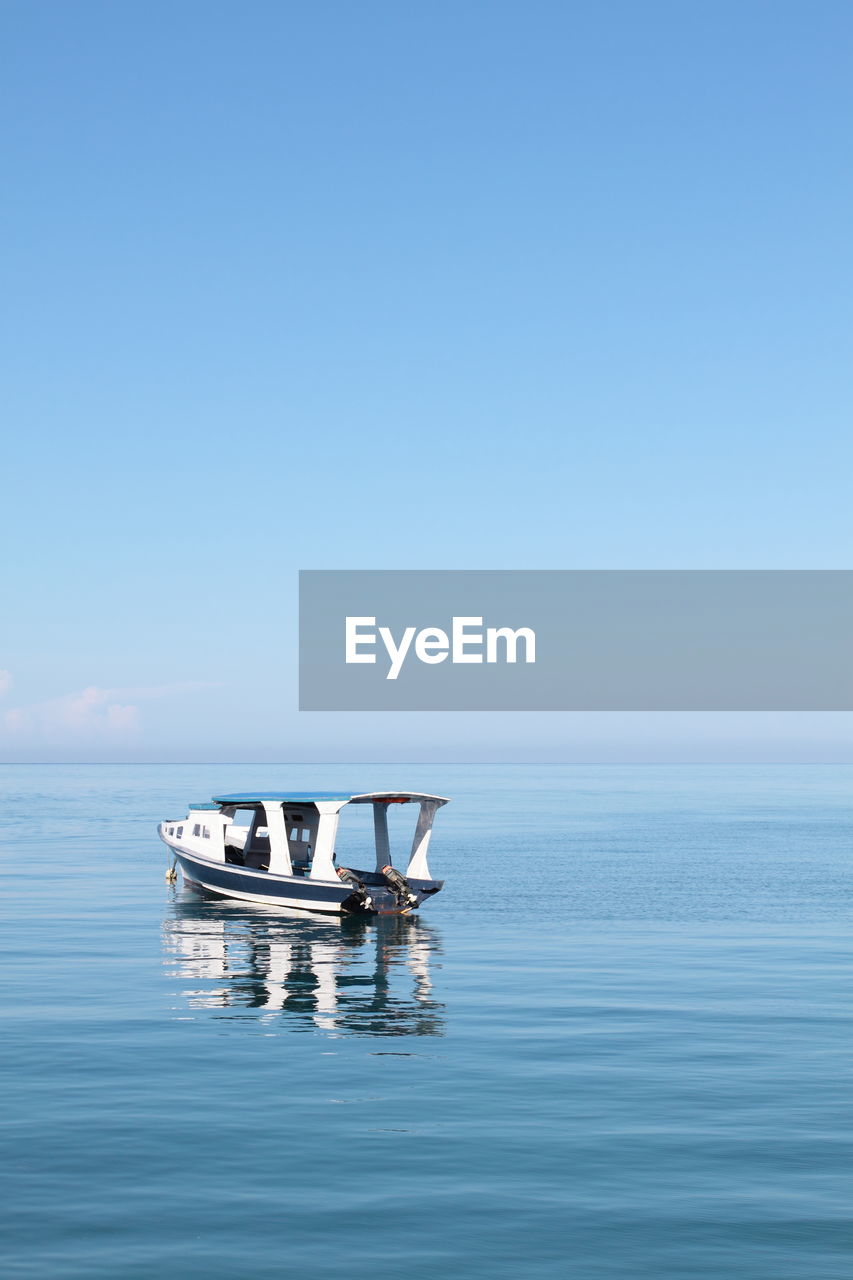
(301, 893)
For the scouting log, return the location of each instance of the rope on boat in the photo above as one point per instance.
(171, 873)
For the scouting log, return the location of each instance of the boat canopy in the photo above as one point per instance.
(312, 797)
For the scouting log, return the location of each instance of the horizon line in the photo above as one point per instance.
(50, 764)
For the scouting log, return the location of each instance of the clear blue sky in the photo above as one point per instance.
(383, 285)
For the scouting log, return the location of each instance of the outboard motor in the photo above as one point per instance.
(402, 889)
(359, 894)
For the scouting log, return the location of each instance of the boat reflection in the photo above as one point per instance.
(342, 975)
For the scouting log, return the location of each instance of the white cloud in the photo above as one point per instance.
(122, 718)
(92, 715)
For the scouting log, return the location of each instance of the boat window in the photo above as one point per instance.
(206, 832)
(306, 834)
(294, 833)
(180, 831)
(196, 830)
(171, 831)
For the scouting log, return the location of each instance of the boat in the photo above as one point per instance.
(278, 848)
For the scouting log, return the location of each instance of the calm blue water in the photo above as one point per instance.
(618, 1044)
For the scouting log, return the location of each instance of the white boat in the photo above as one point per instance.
(278, 848)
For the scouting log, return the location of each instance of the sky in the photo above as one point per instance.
(458, 285)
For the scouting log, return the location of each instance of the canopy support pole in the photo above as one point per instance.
(279, 849)
(380, 828)
(322, 864)
(418, 865)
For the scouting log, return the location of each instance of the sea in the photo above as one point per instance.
(617, 1044)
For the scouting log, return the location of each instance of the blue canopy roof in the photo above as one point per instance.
(282, 797)
(310, 797)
